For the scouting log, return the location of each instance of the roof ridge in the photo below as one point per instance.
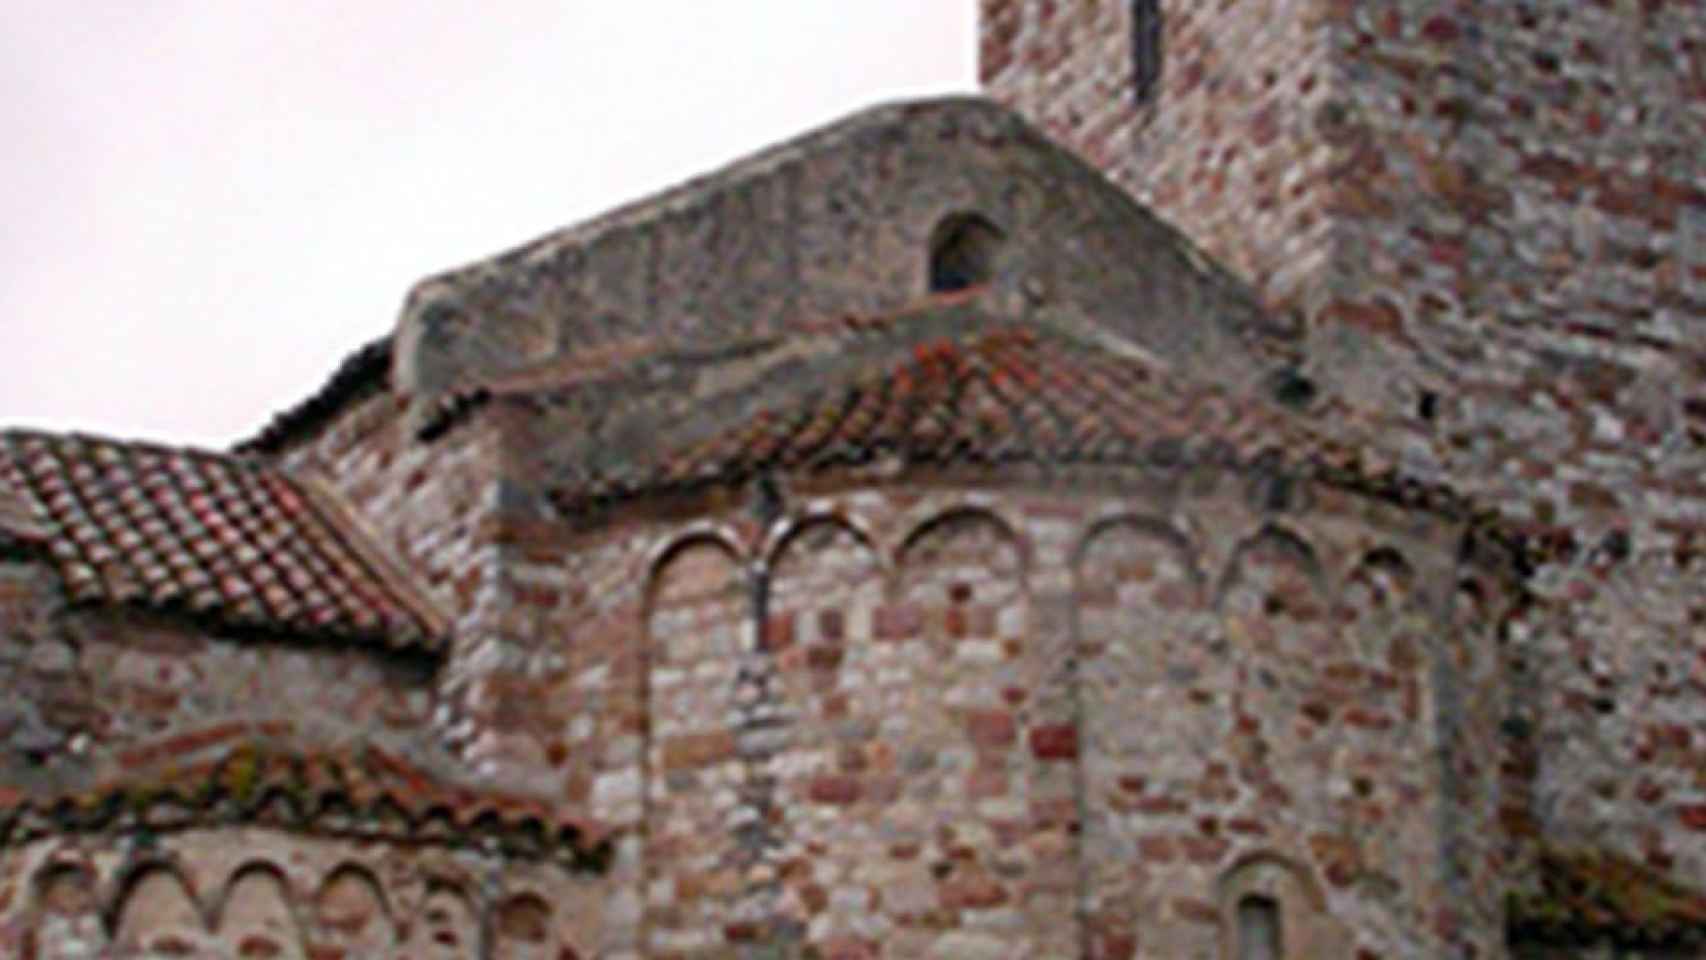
(352, 530)
(142, 444)
(365, 368)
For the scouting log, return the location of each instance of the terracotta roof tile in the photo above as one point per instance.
(360, 790)
(216, 536)
(1002, 392)
(21, 520)
(1589, 896)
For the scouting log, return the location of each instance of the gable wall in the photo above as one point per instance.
(837, 223)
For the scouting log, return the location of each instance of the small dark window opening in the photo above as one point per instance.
(1145, 49)
(962, 252)
(1427, 405)
(1259, 936)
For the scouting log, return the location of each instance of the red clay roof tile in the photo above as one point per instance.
(999, 392)
(239, 543)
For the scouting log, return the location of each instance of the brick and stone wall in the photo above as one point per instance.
(1490, 216)
(915, 720)
(1228, 148)
(422, 502)
(86, 688)
(1542, 281)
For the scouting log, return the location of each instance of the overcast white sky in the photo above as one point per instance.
(205, 204)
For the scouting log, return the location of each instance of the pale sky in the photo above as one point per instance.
(206, 204)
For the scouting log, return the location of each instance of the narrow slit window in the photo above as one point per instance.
(1259, 934)
(1145, 49)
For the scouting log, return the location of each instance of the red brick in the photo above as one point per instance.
(833, 789)
(1059, 742)
(991, 728)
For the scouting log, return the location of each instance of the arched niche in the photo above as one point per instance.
(962, 556)
(1140, 599)
(1276, 623)
(1387, 630)
(522, 929)
(697, 609)
(825, 587)
(67, 920)
(156, 913)
(977, 743)
(698, 630)
(446, 926)
(66, 888)
(257, 917)
(1273, 604)
(351, 912)
(1374, 597)
(838, 683)
(1152, 707)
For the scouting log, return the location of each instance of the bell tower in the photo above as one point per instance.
(1462, 200)
(1489, 217)
(1209, 113)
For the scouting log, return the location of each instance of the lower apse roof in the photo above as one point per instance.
(267, 777)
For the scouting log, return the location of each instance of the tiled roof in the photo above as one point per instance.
(1592, 896)
(354, 790)
(20, 520)
(362, 374)
(216, 537)
(1001, 393)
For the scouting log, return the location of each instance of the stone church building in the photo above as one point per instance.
(1235, 490)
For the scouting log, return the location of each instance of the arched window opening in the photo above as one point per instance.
(962, 252)
(1259, 934)
(1146, 31)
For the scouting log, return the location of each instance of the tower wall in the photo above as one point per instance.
(1227, 146)
(1515, 294)
(1492, 221)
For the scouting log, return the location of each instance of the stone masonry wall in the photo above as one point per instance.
(1543, 281)
(1228, 149)
(909, 721)
(86, 687)
(1502, 266)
